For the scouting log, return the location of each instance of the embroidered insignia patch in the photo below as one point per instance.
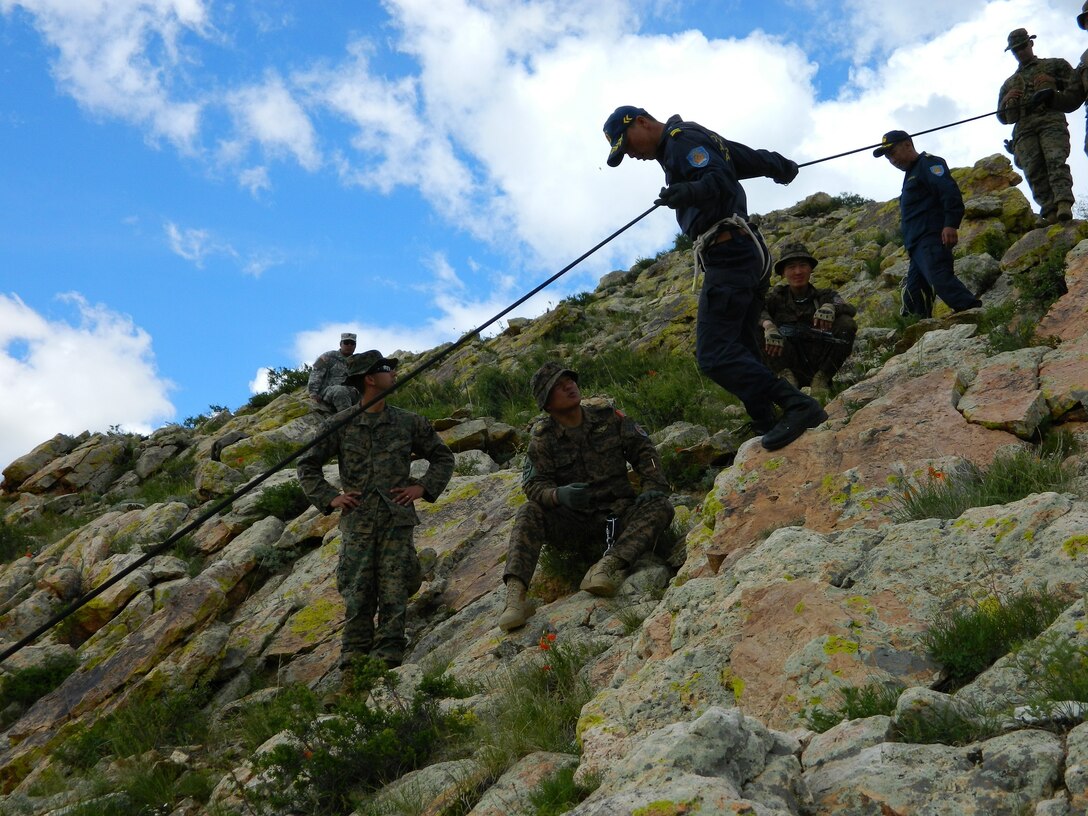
(936, 169)
(698, 157)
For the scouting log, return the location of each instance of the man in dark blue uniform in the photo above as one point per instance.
(702, 174)
(930, 212)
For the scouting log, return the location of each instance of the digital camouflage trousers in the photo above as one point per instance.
(1042, 154)
(378, 572)
(638, 528)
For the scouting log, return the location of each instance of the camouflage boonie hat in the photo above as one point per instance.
(1019, 37)
(544, 380)
(792, 252)
(367, 362)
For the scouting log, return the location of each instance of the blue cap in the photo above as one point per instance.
(615, 128)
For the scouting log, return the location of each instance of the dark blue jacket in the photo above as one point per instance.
(930, 200)
(689, 152)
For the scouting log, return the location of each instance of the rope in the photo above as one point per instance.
(330, 429)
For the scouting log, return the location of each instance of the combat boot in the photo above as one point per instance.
(604, 577)
(821, 385)
(1065, 211)
(344, 690)
(799, 413)
(516, 611)
(788, 375)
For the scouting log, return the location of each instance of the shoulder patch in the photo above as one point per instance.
(937, 169)
(698, 156)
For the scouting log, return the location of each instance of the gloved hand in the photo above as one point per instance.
(789, 175)
(1043, 81)
(677, 195)
(773, 342)
(575, 495)
(1041, 97)
(649, 495)
(824, 317)
(1011, 101)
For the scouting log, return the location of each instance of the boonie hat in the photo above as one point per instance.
(1020, 36)
(615, 128)
(890, 140)
(1083, 16)
(545, 378)
(347, 336)
(370, 362)
(793, 252)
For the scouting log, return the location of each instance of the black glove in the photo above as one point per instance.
(789, 175)
(675, 196)
(649, 495)
(1041, 97)
(576, 496)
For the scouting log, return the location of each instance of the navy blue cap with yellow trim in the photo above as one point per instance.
(890, 140)
(615, 128)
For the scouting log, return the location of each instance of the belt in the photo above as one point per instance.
(728, 235)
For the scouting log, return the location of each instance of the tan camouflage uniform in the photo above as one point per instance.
(326, 382)
(1040, 136)
(801, 356)
(596, 452)
(378, 568)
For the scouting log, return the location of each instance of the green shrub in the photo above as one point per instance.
(644, 263)
(284, 501)
(954, 724)
(174, 481)
(682, 243)
(966, 642)
(559, 793)
(330, 761)
(258, 722)
(1010, 477)
(27, 686)
(14, 543)
(146, 722)
(1056, 671)
(854, 703)
(1040, 285)
(285, 380)
(537, 704)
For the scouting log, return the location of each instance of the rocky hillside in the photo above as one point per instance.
(732, 673)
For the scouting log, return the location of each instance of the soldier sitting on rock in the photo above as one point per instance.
(808, 332)
(579, 495)
(327, 385)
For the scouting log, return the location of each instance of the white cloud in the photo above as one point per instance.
(269, 115)
(90, 372)
(119, 57)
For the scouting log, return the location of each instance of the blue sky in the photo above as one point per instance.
(193, 191)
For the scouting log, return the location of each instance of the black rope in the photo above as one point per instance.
(919, 133)
(341, 420)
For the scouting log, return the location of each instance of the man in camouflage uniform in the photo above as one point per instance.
(378, 568)
(576, 483)
(1040, 135)
(1076, 92)
(326, 385)
(806, 360)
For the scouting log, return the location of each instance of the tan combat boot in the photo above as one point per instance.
(788, 375)
(821, 385)
(1065, 211)
(604, 577)
(516, 611)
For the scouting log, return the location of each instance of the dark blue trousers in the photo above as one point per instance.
(931, 272)
(728, 342)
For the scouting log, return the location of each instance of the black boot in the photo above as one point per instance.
(799, 413)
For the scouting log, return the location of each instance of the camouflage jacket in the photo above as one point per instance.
(1060, 71)
(1075, 94)
(331, 368)
(782, 307)
(374, 452)
(596, 452)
